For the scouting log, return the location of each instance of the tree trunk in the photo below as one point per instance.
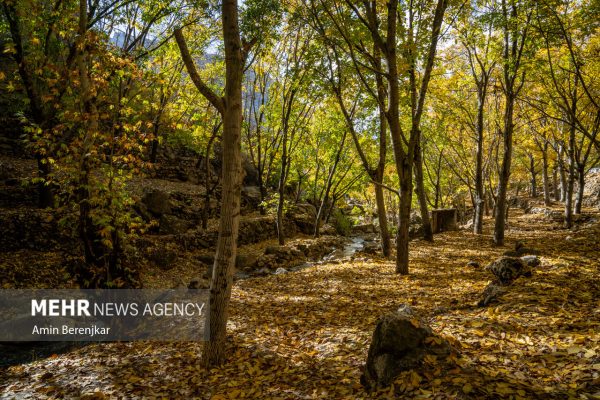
(281, 191)
(479, 195)
(533, 182)
(501, 206)
(41, 118)
(386, 245)
(402, 237)
(580, 189)
(555, 191)
(222, 279)
(207, 188)
(570, 179)
(403, 160)
(563, 182)
(328, 184)
(545, 177)
(421, 196)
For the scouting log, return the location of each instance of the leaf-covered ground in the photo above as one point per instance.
(305, 335)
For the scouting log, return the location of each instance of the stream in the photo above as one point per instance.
(355, 244)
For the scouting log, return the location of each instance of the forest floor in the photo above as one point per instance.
(305, 334)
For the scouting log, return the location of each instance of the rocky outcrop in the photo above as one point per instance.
(157, 202)
(303, 215)
(162, 256)
(400, 342)
(547, 213)
(505, 271)
(29, 228)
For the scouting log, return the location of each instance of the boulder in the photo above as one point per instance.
(531, 261)
(252, 194)
(328, 229)
(245, 261)
(371, 248)
(198, 284)
(548, 213)
(171, 225)
(473, 264)
(506, 269)
(415, 225)
(363, 228)
(162, 257)
(250, 171)
(280, 271)
(207, 259)
(275, 250)
(491, 293)
(157, 202)
(304, 216)
(399, 344)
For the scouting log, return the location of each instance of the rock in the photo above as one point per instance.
(303, 248)
(207, 259)
(363, 228)
(199, 284)
(547, 213)
(532, 261)
(257, 229)
(303, 215)
(371, 248)
(263, 271)
(245, 261)
(398, 344)
(157, 202)
(171, 225)
(468, 226)
(142, 211)
(162, 257)
(280, 271)
(7, 171)
(274, 250)
(491, 293)
(252, 193)
(473, 264)
(328, 229)
(250, 171)
(506, 269)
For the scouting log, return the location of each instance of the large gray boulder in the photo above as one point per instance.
(399, 344)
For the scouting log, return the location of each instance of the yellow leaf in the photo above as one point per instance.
(589, 353)
(415, 323)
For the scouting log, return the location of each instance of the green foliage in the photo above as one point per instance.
(341, 222)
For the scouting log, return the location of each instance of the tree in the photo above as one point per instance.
(515, 29)
(230, 108)
(385, 39)
(477, 38)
